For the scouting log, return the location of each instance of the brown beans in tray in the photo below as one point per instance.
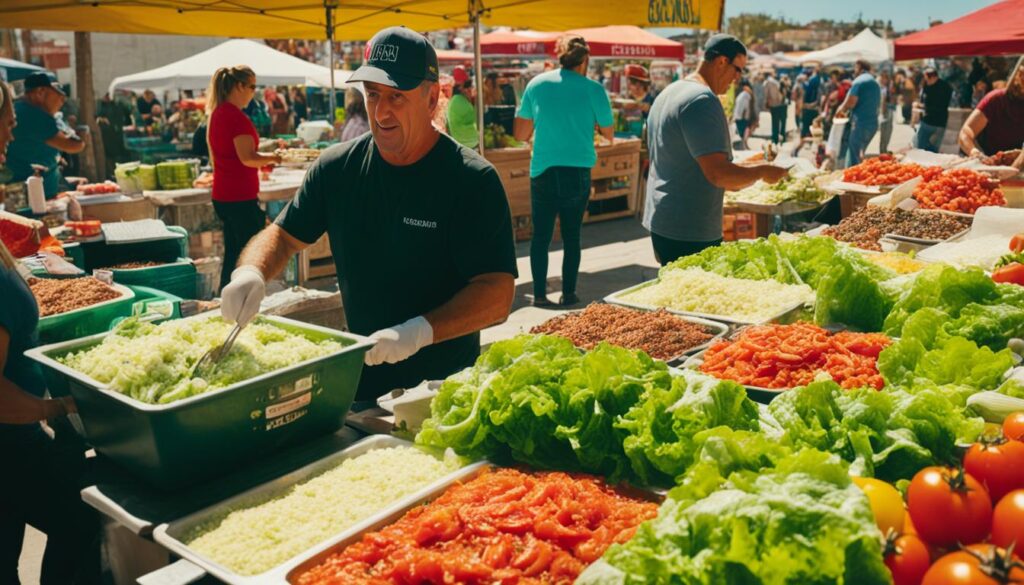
(67, 294)
(661, 334)
(866, 226)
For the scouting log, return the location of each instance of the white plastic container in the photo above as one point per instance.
(36, 195)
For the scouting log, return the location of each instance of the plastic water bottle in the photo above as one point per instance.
(36, 195)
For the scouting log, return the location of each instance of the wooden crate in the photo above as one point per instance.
(852, 202)
(316, 261)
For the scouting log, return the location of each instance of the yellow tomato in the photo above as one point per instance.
(886, 503)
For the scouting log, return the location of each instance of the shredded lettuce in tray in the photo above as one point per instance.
(151, 363)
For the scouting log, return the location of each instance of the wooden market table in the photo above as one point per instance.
(615, 182)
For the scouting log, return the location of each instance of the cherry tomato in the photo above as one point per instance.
(1008, 521)
(978, 564)
(908, 559)
(1017, 243)
(999, 466)
(886, 503)
(949, 506)
(1013, 426)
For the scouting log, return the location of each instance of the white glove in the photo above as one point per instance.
(397, 343)
(240, 300)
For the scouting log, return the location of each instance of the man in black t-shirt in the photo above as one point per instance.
(935, 96)
(419, 228)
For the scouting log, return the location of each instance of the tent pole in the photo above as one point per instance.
(332, 100)
(478, 72)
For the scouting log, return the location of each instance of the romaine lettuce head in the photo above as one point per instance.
(945, 289)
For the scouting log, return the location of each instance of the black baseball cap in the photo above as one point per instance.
(35, 80)
(725, 45)
(398, 57)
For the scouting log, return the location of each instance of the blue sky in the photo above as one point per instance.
(905, 14)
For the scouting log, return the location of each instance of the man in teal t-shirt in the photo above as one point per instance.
(461, 113)
(562, 107)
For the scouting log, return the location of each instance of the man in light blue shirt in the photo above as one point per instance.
(862, 102)
(562, 108)
(691, 155)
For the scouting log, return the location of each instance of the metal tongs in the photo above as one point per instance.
(215, 355)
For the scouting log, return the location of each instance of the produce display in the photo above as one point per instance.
(786, 356)
(659, 333)
(495, 137)
(538, 400)
(177, 174)
(898, 262)
(134, 177)
(251, 540)
(981, 252)
(848, 289)
(152, 363)
(882, 170)
(865, 227)
(1010, 267)
(60, 295)
(504, 526)
(298, 155)
(698, 291)
(959, 190)
(86, 228)
(799, 189)
(98, 188)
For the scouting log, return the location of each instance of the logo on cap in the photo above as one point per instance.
(384, 52)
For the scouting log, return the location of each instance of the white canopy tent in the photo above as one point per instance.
(272, 67)
(866, 45)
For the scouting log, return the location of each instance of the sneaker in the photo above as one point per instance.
(542, 302)
(569, 300)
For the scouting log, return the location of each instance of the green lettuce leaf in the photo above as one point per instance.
(851, 294)
(801, 522)
(660, 429)
(943, 288)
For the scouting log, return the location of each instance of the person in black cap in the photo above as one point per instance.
(38, 139)
(419, 228)
(691, 155)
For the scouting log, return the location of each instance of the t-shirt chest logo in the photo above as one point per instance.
(420, 223)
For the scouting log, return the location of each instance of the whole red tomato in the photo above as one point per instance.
(949, 506)
(907, 558)
(1008, 521)
(998, 465)
(978, 564)
(1013, 426)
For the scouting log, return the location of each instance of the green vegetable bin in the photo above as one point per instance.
(86, 320)
(200, 437)
(177, 278)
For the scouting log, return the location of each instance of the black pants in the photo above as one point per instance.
(41, 487)
(242, 220)
(560, 192)
(778, 124)
(667, 250)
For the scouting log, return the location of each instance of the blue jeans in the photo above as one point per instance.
(860, 137)
(560, 192)
(929, 137)
(807, 117)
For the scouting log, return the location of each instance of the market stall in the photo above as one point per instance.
(614, 191)
(997, 29)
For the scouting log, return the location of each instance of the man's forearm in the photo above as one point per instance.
(485, 301)
(736, 177)
(270, 250)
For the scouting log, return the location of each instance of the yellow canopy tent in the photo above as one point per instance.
(355, 20)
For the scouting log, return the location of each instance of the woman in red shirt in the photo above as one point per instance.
(233, 140)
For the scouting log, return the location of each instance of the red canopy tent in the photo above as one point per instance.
(616, 42)
(994, 30)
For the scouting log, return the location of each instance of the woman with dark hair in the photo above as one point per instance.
(461, 115)
(564, 107)
(43, 476)
(236, 183)
(356, 123)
